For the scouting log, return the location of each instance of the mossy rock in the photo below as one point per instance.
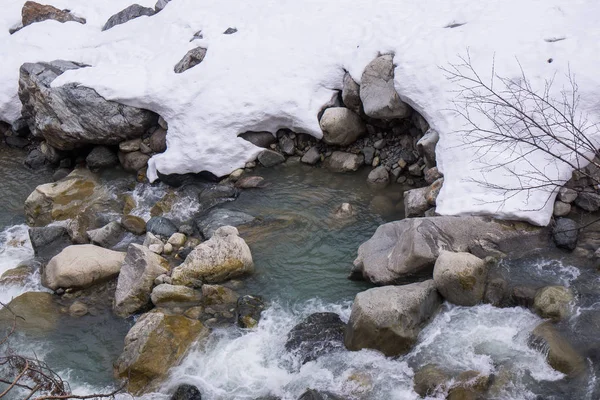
(36, 312)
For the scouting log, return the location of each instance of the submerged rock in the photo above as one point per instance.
(407, 248)
(81, 266)
(250, 182)
(269, 158)
(217, 194)
(46, 108)
(37, 311)
(460, 277)
(161, 226)
(139, 270)
(133, 224)
(248, 310)
(430, 380)
(341, 126)
(340, 161)
(154, 344)
(317, 335)
(390, 318)
(215, 219)
(127, 14)
(377, 93)
(560, 354)
(223, 257)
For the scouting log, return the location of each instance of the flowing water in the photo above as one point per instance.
(303, 255)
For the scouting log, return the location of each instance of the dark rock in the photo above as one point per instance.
(429, 380)
(92, 119)
(248, 309)
(351, 94)
(48, 241)
(101, 157)
(190, 60)
(565, 233)
(311, 394)
(35, 159)
(20, 128)
(60, 174)
(495, 292)
(588, 201)
(187, 230)
(369, 154)
(160, 5)
(319, 334)
(183, 253)
(34, 12)
(269, 158)
(523, 296)
(18, 142)
(129, 13)
(287, 145)
(260, 139)
(158, 140)
(216, 194)
(208, 224)
(230, 31)
(186, 392)
(161, 226)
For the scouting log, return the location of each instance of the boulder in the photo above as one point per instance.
(190, 60)
(217, 194)
(588, 201)
(377, 93)
(107, 236)
(154, 344)
(319, 334)
(378, 178)
(341, 126)
(559, 353)
(35, 159)
(170, 295)
(224, 256)
(185, 391)
(208, 224)
(287, 145)
(218, 295)
(177, 240)
(312, 156)
(161, 226)
(33, 12)
(426, 147)
(260, 139)
(158, 140)
(403, 249)
(390, 318)
(250, 182)
(129, 13)
(269, 158)
(415, 202)
(561, 209)
(139, 270)
(133, 224)
(101, 157)
(78, 194)
(133, 161)
(567, 195)
(90, 119)
(48, 241)
(351, 94)
(460, 277)
(340, 161)
(565, 233)
(81, 266)
(553, 302)
(37, 312)
(248, 310)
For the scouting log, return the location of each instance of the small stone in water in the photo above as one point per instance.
(78, 309)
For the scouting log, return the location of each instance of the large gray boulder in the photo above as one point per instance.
(407, 248)
(127, 14)
(81, 266)
(379, 97)
(72, 115)
(153, 345)
(138, 272)
(217, 218)
(341, 126)
(460, 277)
(340, 161)
(415, 202)
(224, 256)
(390, 318)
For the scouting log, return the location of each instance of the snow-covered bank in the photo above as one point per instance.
(287, 59)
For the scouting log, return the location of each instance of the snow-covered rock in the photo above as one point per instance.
(279, 74)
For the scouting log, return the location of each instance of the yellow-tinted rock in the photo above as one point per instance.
(36, 312)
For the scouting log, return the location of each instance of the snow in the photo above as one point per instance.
(289, 56)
